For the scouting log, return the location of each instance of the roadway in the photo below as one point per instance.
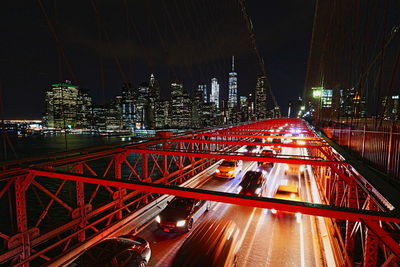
(266, 239)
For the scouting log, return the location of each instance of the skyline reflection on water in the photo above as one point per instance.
(38, 145)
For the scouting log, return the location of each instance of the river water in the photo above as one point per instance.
(37, 145)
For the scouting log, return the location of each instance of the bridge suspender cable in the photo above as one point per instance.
(256, 50)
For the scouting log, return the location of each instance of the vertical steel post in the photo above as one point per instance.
(349, 138)
(80, 202)
(351, 203)
(327, 184)
(371, 243)
(339, 192)
(22, 222)
(192, 159)
(390, 151)
(164, 161)
(118, 160)
(363, 141)
(180, 145)
(145, 167)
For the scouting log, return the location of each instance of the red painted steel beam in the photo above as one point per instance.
(241, 143)
(230, 198)
(237, 156)
(264, 131)
(305, 138)
(384, 237)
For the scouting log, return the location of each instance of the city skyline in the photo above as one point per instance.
(29, 67)
(141, 107)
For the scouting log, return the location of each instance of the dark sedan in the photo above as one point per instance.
(211, 244)
(253, 184)
(268, 154)
(181, 213)
(126, 250)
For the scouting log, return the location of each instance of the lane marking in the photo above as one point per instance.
(260, 222)
(312, 219)
(270, 248)
(246, 228)
(302, 256)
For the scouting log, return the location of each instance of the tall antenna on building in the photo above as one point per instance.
(233, 63)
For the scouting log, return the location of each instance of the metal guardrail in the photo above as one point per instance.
(379, 147)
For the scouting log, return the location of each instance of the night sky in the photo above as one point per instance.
(106, 43)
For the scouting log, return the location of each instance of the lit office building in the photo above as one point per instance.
(84, 110)
(162, 114)
(197, 109)
(232, 94)
(180, 107)
(128, 105)
(114, 120)
(154, 96)
(209, 115)
(142, 106)
(351, 104)
(203, 89)
(390, 107)
(261, 98)
(65, 104)
(99, 121)
(214, 97)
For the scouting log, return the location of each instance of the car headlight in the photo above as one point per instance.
(181, 223)
(239, 188)
(292, 195)
(158, 219)
(258, 190)
(274, 211)
(217, 171)
(231, 172)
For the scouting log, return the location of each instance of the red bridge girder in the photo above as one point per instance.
(231, 198)
(176, 158)
(237, 156)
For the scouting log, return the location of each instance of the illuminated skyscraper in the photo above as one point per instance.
(261, 98)
(232, 94)
(203, 89)
(214, 97)
(180, 106)
(67, 106)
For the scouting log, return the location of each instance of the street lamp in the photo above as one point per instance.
(317, 94)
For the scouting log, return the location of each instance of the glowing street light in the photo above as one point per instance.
(317, 93)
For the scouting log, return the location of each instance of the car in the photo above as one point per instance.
(213, 243)
(127, 250)
(269, 154)
(288, 192)
(300, 142)
(252, 184)
(229, 169)
(294, 169)
(287, 140)
(252, 149)
(180, 214)
(276, 145)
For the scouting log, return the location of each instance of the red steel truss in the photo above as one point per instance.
(54, 205)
